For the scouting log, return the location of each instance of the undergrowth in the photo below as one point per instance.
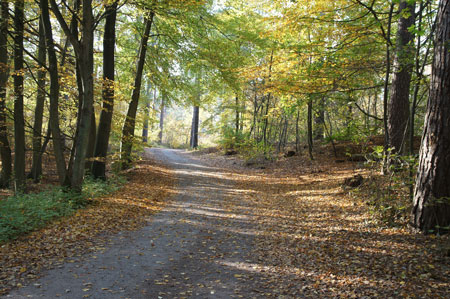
(389, 195)
(23, 213)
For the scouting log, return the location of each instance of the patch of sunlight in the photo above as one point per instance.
(200, 173)
(258, 268)
(331, 277)
(215, 214)
(196, 166)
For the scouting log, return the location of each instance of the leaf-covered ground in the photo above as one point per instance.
(315, 240)
(24, 259)
(311, 239)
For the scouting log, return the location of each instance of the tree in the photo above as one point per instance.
(36, 168)
(398, 110)
(161, 118)
(58, 147)
(431, 210)
(130, 120)
(104, 124)
(5, 149)
(19, 120)
(194, 127)
(84, 52)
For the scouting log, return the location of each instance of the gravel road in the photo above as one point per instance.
(199, 246)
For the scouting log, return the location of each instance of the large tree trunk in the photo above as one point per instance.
(58, 146)
(86, 64)
(5, 149)
(104, 125)
(398, 110)
(36, 168)
(431, 209)
(195, 125)
(130, 120)
(19, 121)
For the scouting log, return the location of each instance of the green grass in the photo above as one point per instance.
(23, 213)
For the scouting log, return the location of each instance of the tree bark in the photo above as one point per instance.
(58, 146)
(19, 121)
(130, 120)
(161, 118)
(237, 123)
(5, 148)
(195, 125)
(310, 131)
(398, 110)
(104, 125)
(319, 120)
(145, 126)
(431, 210)
(86, 63)
(36, 168)
(84, 51)
(297, 131)
(91, 144)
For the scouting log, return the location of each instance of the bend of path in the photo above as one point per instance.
(199, 246)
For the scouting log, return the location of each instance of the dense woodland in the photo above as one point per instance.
(84, 85)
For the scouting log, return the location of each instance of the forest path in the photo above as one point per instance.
(200, 245)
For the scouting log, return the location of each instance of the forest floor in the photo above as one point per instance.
(286, 229)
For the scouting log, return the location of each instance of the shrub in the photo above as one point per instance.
(389, 195)
(23, 213)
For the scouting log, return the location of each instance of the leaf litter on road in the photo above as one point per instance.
(147, 186)
(315, 240)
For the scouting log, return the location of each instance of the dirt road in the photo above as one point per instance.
(199, 246)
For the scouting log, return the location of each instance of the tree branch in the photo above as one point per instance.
(73, 39)
(367, 113)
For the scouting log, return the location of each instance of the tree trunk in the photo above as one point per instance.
(36, 168)
(86, 64)
(58, 146)
(5, 149)
(237, 115)
(130, 120)
(319, 120)
(195, 125)
(386, 90)
(419, 69)
(19, 121)
(104, 124)
(431, 210)
(161, 119)
(91, 144)
(297, 131)
(398, 110)
(310, 131)
(145, 126)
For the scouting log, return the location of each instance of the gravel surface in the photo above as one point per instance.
(199, 246)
